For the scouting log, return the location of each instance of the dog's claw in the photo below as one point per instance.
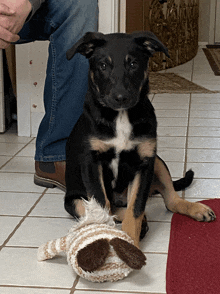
(212, 215)
(202, 212)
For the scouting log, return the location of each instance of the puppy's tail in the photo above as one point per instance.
(183, 183)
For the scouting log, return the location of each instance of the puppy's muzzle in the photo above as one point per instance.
(121, 99)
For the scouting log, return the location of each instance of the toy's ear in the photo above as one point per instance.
(93, 256)
(129, 253)
(86, 45)
(149, 42)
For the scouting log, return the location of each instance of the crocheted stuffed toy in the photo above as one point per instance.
(95, 249)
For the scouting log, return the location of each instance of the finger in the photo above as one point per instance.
(4, 45)
(7, 37)
(5, 10)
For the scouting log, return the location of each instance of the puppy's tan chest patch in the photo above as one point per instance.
(123, 142)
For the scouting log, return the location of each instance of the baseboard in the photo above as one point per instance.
(202, 44)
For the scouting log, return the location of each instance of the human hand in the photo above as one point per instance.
(13, 14)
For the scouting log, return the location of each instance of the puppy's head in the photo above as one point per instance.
(118, 65)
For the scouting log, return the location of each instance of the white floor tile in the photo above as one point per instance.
(170, 105)
(204, 188)
(205, 98)
(34, 232)
(15, 182)
(204, 122)
(172, 98)
(166, 142)
(51, 205)
(205, 114)
(8, 224)
(156, 210)
(10, 149)
(19, 266)
(99, 292)
(4, 159)
(18, 290)
(204, 132)
(17, 203)
(172, 121)
(203, 155)
(204, 142)
(172, 113)
(205, 106)
(169, 131)
(151, 278)
(20, 165)
(204, 170)
(171, 154)
(29, 150)
(13, 138)
(157, 238)
(175, 168)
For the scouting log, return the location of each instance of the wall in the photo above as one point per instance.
(204, 20)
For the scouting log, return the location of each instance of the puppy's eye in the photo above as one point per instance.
(133, 65)
(103, 66)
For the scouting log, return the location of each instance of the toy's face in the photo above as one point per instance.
(95, 257)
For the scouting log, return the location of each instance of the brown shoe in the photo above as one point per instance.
(50, 174)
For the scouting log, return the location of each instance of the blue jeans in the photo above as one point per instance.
(62, 23)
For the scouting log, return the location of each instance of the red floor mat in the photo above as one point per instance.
(193, 264)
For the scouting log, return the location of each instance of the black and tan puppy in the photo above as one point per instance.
(112, 148)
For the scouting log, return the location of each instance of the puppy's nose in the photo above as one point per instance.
(121, 98)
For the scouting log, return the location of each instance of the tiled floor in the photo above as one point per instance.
(189, 137)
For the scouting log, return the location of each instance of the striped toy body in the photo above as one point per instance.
(95, 249)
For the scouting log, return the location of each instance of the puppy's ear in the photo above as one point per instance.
(149, 42)
(86, 45)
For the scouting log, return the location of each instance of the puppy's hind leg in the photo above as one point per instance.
(173, 201)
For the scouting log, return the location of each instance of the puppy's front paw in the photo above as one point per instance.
(202, 212)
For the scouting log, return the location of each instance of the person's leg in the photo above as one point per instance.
(63, 23)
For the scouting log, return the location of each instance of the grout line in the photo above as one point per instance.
(21, 247)
(33, 287)
(115, 291)
(74, 284)
(16, 172)
(22, 220)
(39, 216)
(187, 133)
(187, 130)
(152, 98)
